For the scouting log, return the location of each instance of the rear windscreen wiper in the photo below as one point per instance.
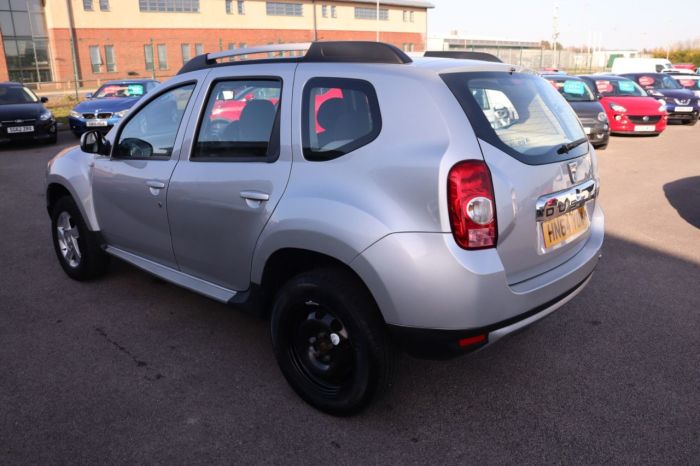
(564, 149)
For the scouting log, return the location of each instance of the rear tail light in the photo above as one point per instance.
(472, 205)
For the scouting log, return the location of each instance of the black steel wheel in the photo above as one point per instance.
(330, 341)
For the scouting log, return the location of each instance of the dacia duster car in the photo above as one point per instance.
(361, 200)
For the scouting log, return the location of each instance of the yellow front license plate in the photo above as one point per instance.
(564, 227)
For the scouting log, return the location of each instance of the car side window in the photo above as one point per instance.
(150, 133)
(240, 122)
(339, 115)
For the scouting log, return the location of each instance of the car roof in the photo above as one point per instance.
(607, 77)
(564, 77)
(129, 81)
(11, 84)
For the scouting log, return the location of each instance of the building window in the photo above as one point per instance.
(242, 45)
(171, 6)
(405, 16)
(186, 55)
(95, 58)
(148, 56)
(371, 13)
(198, 49)
(229, 7)
(24, 40)
(411, 15)
(109, 59)
(324, 11)
(162, 57)
(334, 13)
(283, 9)
(104, 5)
(87, 5)
(241, 7)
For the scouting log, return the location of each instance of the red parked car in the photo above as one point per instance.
(686, 66)
(629, 108)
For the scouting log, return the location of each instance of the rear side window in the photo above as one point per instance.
(521, 114)
(339, 115)
(240, 122)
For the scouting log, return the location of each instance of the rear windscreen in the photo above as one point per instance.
(520, 113)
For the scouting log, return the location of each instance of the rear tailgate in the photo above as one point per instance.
(542, 167)
(532, 206)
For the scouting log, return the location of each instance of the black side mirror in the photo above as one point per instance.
(93, 142)
(44, 100)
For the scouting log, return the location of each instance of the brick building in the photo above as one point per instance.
(120, 38)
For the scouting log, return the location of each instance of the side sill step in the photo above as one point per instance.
(210, 290)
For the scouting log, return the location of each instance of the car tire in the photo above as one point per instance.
(81, 256)
(331, 342)
(692, 122)
(601, 147)
(53, 139)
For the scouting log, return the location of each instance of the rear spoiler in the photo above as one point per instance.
(463, 55)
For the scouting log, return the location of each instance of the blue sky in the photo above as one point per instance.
(620, 23)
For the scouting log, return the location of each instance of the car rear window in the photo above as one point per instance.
(520, 113)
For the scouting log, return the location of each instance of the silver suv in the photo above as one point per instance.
(360, 200)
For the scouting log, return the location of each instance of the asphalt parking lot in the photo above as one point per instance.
(129, 369)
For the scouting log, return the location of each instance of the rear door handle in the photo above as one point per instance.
(155, 184)
(255, 196)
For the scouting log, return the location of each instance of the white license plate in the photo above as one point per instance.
(587, 130)
(97, 123)
(20, 129)
(645, 128)
(684, 109)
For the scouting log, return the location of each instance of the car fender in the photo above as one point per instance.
(72, 169)
(312, 224)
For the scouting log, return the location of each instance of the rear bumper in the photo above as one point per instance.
(424, 281)
(444, 344)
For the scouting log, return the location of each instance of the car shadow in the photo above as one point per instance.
(684, 196)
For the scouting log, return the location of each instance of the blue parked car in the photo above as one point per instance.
(681, 104)
(108, 104)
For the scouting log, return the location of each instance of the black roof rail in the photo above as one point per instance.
(355, 52)
(463, 55)
(316, 52)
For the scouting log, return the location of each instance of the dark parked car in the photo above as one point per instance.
(23, 115)
(108, 104)
(586, 105)
(681, 104)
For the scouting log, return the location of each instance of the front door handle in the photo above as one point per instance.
(255, 196)
(155, 184)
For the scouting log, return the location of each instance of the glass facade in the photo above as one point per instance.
(25, 40)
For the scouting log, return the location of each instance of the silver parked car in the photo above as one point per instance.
(360, 200)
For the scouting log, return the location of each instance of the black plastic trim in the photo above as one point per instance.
(443, 344)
